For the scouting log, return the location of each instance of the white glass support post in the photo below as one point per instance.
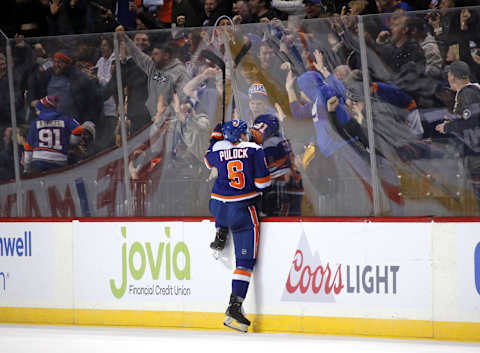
(123, 129)
(368, 109)
(13, 114)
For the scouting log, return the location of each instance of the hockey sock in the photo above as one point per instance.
(240, 281)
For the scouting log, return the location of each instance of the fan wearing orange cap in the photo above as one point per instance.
(79, 95)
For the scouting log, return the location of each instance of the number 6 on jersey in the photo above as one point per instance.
(235, 174)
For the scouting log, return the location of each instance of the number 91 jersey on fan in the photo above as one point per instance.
(49, 135)
(242, 170)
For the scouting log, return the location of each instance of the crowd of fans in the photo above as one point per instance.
(38, 18)
(410, 54)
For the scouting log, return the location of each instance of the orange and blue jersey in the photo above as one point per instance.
(394, 95)
(49, 135)
(242, 170)
(242, 175)
(278, 155)
(285, 197)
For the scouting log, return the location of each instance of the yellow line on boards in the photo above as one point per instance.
(455, 331)
(36, 315)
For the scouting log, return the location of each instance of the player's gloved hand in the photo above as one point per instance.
(217, 134)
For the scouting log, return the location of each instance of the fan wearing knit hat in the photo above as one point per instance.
(258, 99)
(61, 61)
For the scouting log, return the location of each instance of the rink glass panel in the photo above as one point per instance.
(420, 169)
(164, 175)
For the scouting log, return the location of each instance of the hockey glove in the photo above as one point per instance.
(217, 134)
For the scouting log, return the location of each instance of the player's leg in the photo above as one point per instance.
(270, 205)
(220, 238)
(294, 201)
(245, 238)
(220, 211)
(294, 195)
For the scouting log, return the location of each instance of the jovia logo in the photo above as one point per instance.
(476, 261)
(145, 253)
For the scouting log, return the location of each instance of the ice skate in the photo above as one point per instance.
(234, 316)
(219, 243)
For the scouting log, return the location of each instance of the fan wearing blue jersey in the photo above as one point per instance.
(51, 135)
(284, 198)
(242, 175)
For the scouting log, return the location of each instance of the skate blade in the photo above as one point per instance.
(216, 254)
(233, 324)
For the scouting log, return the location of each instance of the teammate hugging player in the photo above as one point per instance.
(242, 174)
(284, 198)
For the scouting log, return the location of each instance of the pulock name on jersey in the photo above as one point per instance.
(226, 155)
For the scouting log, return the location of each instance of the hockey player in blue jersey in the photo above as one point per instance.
(51, 135)
(284, 198)
(242, 175)
(259, 104)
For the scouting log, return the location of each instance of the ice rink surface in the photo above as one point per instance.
(76, 339)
